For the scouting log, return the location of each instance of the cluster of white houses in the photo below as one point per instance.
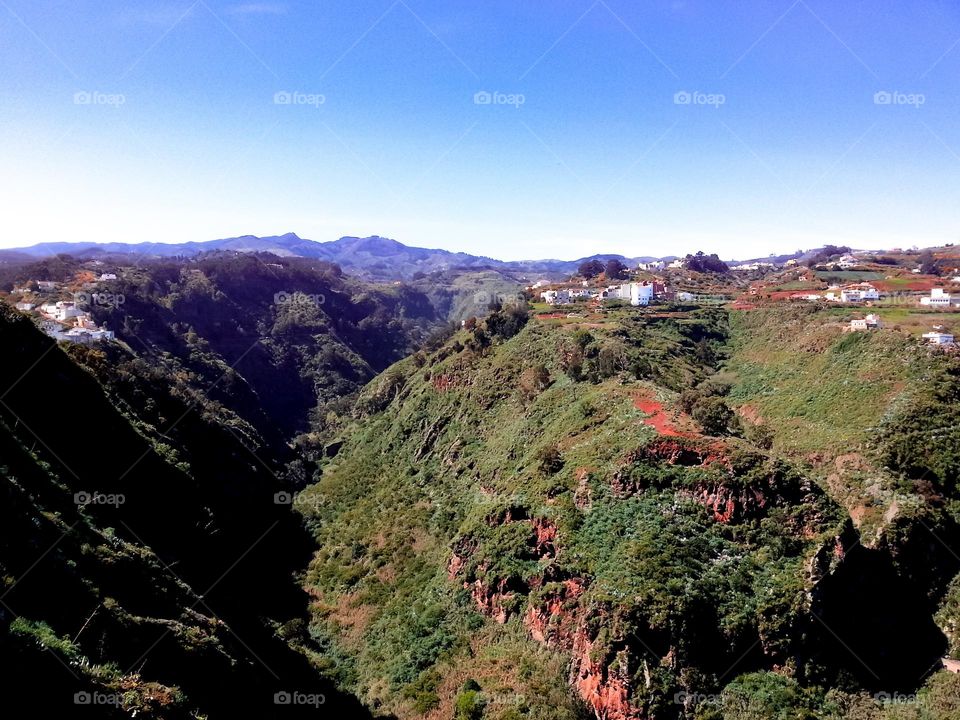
(63, 320)
(638, 293)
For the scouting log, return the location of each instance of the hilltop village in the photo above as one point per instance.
(63, 309)
(914, 290)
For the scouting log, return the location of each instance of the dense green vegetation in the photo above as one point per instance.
(667, 511)
(507, 479)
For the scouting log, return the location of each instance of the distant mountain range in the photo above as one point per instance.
(375, 258)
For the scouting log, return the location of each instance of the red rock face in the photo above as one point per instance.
(605, 687)
(553, 620)
(444, 383)
(730, 504)
(492, 602)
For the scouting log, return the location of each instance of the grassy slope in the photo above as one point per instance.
(826, 394)
(434, 467)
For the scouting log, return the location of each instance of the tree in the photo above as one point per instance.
(928, 264)
(713, 415)
(590, 269)
(615, 270)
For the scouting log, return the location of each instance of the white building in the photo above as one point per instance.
(870, 322)
(938, 338)
(641, 293)
(686, 296)
(25, 307)
(652, 265)
(107, 276)
(676, 264)
(938, 298)
(846, 261)
(46, 285)
(859, 293)
(556, 297)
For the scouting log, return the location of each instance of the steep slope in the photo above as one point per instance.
(131, 573)
(276, 340)
(541, 492)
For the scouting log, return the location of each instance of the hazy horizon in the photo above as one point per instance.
(743, 129)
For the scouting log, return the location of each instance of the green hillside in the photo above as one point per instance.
(541, 490)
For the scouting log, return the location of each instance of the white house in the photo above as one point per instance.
(556, 297)
(676, 264)
(938, 338)
(938, 298)
(846, 261)
(652, 265)
(25, 307)
(859, 293)
(870, 322)
(641, 293)
(109, 276)
(46, 285)
(686, 296)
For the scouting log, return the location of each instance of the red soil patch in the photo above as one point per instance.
(912, 285)
(658, 418)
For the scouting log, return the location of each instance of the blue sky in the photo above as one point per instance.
(654, 128)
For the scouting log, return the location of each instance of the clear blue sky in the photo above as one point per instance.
(160, 121)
